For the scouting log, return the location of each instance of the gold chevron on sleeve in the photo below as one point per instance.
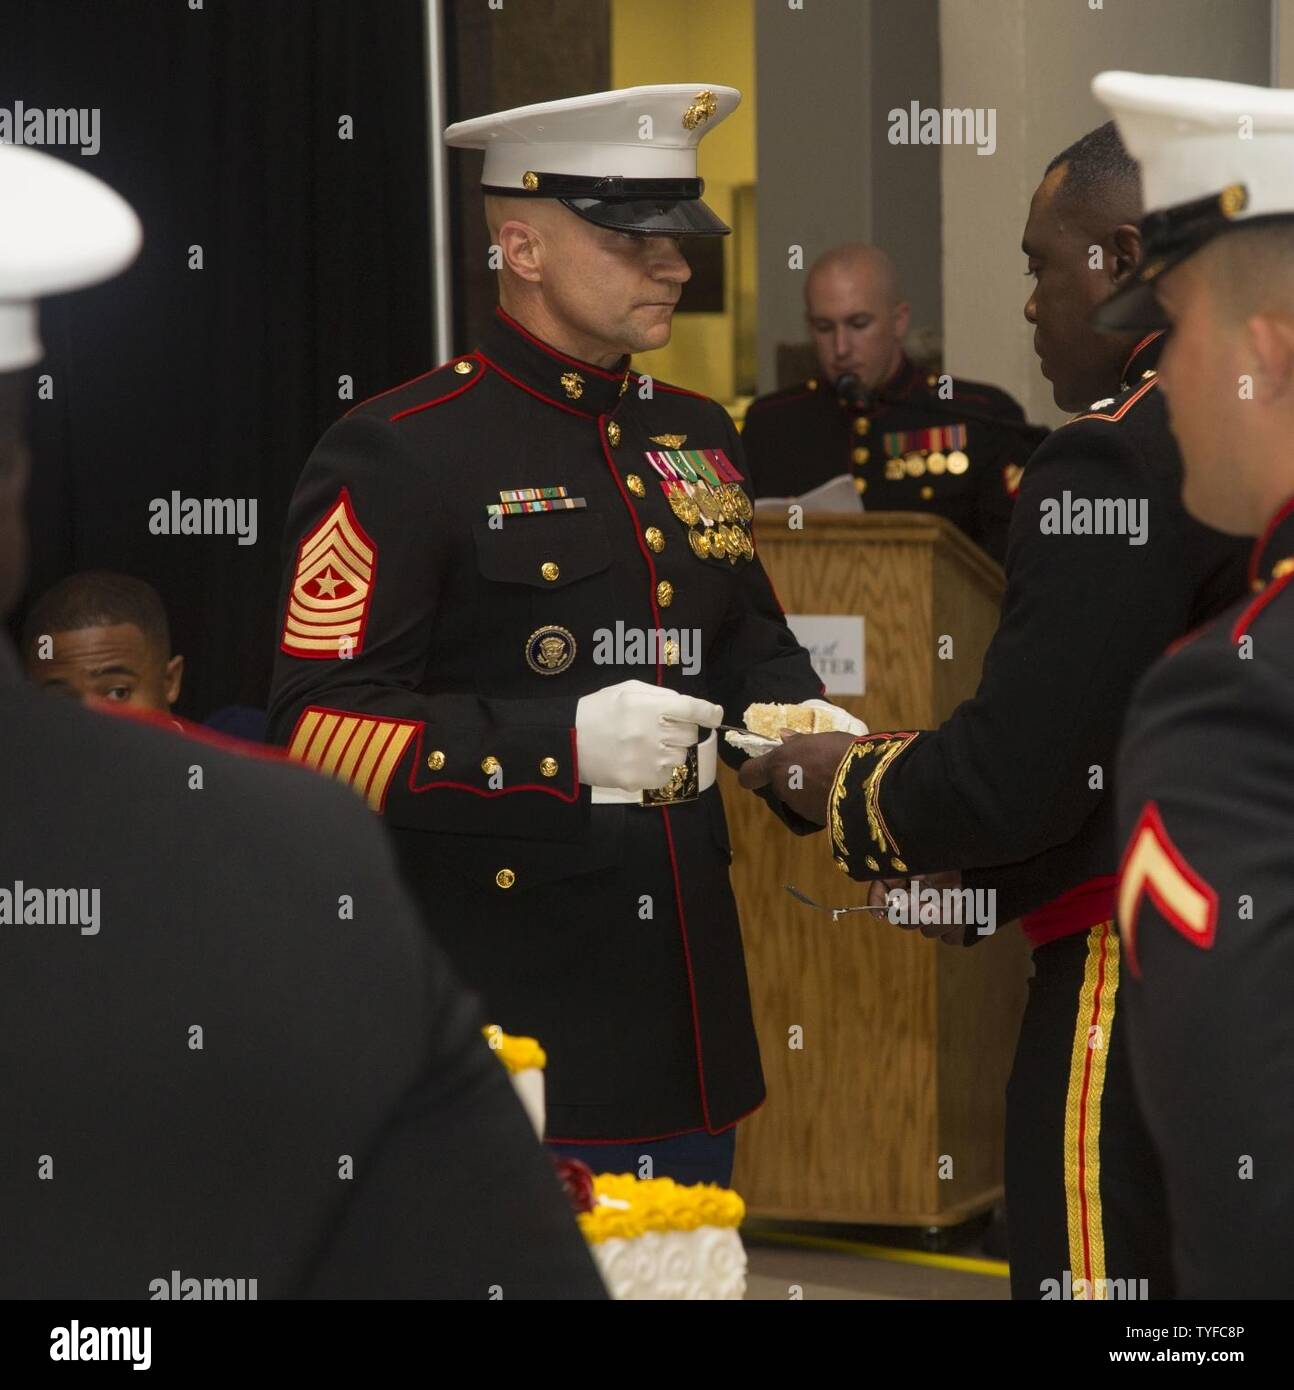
(360, 750)
(332, 586)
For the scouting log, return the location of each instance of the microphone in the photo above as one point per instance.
(852, 391)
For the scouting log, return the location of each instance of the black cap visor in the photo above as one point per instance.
(1168, 237)
(650, 216)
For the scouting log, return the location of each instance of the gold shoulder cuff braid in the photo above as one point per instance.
(875, 754)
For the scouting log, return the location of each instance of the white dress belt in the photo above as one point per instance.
(707, 761)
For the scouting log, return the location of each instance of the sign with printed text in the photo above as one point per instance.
(835, 642)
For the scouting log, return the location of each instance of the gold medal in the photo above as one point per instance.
(700, 543)
(747, 546)
(732, 534)
(710, 505)
(914, 465)
(893, 470)
(728, 503)
(684, 508)
(744, 509)
(958, 462)
(718, 543)
(936, 462)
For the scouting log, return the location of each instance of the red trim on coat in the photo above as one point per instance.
(553, 352)
(1256, 554)
(417, 745)
(569, 797)
(1143, 344)
(679, 390)
(1114, 414)
(1151, 822)
(448, 396)
(1187, 638)
(1085, 906)
(687, 964)
(198, 733)
(1242, 623)
(377, 395)
(538, 395)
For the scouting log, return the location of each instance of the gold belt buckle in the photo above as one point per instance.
(684, 784)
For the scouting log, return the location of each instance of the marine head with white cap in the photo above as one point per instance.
(60, 229)
(1217, 170)
(589, 201)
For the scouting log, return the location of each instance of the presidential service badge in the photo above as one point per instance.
(550, 651)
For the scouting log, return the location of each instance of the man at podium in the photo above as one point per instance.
(911, 441)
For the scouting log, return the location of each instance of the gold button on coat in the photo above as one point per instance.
(664, 593)
(861, 455)
(860, 486)
(927, 493)
(462, 368)
(636, 485)
(654, 538)
(862, 424)
(549, 570)
(489, 765)
(505, 878)
(548, 767)
(613, 433)
(436, 760)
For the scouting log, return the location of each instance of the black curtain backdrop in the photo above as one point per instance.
(221, 126)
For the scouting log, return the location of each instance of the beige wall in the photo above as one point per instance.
(1033, 60)
(1283, 19)
(683, 41)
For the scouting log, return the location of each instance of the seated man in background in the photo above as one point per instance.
(98, 636)
(912, 441)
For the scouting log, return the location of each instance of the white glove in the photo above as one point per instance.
(623, 740)
(850, 724)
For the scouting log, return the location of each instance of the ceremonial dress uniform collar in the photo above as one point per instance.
(1143, 360)
(556, 377)
(906, 377)
(1273, 553)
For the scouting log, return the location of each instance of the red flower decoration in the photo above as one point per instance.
(577, 1182)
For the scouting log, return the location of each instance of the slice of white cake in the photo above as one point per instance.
(658, 1239)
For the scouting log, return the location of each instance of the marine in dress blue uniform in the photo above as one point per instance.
(1206, 771)
(476, 539)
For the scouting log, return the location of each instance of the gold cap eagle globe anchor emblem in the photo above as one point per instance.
(702, 108)
(572, 384)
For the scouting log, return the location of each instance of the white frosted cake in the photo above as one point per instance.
(525, 1061)
(655, 1238)
(651, 1238)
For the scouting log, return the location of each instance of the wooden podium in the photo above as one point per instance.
(890, 1111)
